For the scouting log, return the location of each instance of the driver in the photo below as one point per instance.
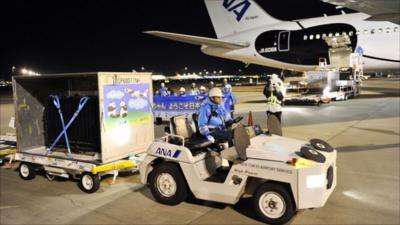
(214, 122)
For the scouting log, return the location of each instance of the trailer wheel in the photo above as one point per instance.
(312, 154)
(89, 183)
(321, 145)
(158, 121)
(26, 171)
(273, 203)
(168, 185)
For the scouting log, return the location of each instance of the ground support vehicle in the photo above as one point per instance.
(82, 125)
(283, 175)
(7, 148)
(325, 86)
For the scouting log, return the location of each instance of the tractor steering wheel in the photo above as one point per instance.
(237, 119)
(236, 122)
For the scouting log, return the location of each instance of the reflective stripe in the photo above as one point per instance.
(273, 100)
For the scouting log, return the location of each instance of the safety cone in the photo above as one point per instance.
(250, 119)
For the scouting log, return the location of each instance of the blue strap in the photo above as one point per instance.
(56, 102)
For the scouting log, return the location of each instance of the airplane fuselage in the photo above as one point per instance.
(299, 45)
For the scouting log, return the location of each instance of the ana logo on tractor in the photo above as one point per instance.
(168, 152)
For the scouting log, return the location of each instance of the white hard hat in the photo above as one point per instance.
(215, 92)
(202, 88)
(182, 89)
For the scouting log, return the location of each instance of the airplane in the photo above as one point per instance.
(382, 10)
(246, 33)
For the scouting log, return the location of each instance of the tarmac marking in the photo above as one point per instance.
(8, 207)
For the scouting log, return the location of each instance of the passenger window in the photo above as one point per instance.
(351, 33)
(323, 35)
(305, 37)
(365, 31)
(396, 29)
(344, 33)
(337, 34)
(387, 29)
(330, 34)
(317, 36)
(373, 31)
(380, 30)
(358, 32)
(311, 37)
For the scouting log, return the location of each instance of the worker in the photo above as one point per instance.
(274, 91)
(203, 90)
(229, 99)
(182, 91)
(211, 85)
(164, 90)
(194, 90)
(203, 93)
(214, 122)
(225, 82)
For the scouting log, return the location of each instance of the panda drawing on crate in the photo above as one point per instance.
(274, 91)
(112, 110)
(123, 109)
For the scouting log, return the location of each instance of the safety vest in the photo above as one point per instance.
(273, 100)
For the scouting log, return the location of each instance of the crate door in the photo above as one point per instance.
(127, 119)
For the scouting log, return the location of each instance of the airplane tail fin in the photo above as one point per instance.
(233, 16)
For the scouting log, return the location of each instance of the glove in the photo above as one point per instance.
(211, 138)
(229, 123)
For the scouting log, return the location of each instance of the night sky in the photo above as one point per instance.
(88, 35)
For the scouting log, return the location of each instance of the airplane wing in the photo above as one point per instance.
(382, 10)
(197, 40)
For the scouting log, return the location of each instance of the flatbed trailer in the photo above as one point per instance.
(83, 125)
(7, 148)
(88, 173)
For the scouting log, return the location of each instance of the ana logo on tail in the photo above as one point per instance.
(239, 8)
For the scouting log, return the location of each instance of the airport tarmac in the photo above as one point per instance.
(364, 130)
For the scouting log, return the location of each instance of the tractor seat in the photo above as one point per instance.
(183, 127)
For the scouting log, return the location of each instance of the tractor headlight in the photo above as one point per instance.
(316, 181)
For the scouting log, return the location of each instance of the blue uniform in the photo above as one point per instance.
(194, 91)
(229, 101)
(164, 91)
(202, 96)
(214, 121)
